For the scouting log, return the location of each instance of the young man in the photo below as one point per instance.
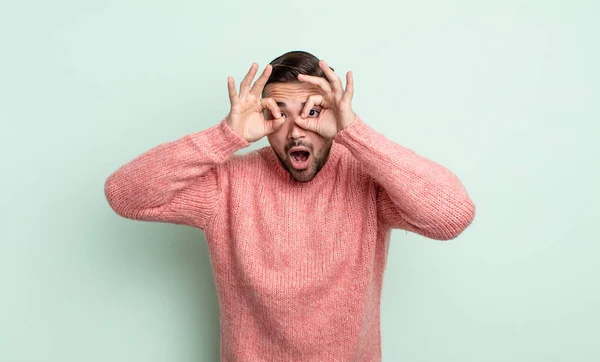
(298, 232)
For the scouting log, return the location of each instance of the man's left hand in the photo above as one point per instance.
(336, 113)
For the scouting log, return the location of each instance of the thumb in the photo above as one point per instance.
(274, 125)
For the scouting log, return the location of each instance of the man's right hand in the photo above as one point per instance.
(246, 116)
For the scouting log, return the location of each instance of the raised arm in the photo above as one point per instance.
(179, 181)
(176, 182)
(414, 193)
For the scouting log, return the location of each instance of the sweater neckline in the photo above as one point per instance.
(327, 171)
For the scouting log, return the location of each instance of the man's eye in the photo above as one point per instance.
(313, 113)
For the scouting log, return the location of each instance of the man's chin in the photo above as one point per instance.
(301, 178)
(304, 175)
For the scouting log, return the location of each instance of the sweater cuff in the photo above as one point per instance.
(220, 139)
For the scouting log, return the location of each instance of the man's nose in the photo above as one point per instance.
(296, 131)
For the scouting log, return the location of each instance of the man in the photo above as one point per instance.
(298, 232)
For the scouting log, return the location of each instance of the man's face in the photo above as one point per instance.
(302, 153)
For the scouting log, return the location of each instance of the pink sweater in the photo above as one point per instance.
(298, 267)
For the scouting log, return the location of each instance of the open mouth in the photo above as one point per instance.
(300, 158)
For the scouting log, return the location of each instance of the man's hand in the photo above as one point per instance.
(246, 116)
(337, 111)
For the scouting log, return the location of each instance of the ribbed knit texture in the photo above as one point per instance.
(298, 267)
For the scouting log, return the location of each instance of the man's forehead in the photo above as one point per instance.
(290, 92)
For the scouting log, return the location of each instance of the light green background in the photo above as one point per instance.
(505, 95)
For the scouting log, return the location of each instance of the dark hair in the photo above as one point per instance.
(287, 67)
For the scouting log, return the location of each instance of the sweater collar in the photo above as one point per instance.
(326, 173)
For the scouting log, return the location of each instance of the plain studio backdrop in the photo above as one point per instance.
(504, 94)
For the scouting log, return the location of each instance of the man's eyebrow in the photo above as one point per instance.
(283, 105)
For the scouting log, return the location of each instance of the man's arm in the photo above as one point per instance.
(414, 193)
(178, 182)
(174, 182)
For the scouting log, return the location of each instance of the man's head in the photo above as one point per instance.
(302, 153)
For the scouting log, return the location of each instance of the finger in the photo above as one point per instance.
(245, 85)
(313, 100)
(259, 85)
(321, 82)
(233, 96)
(309, 124)
(273, 125)
(334, 80)
(278, 120)
(271, 105)
(349, 93)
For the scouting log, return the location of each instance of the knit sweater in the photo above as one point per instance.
(298, 267)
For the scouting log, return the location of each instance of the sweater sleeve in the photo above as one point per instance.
(175, 182)
(413, 192)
